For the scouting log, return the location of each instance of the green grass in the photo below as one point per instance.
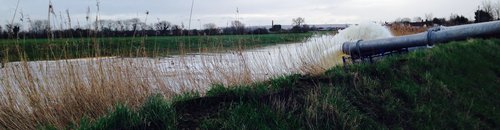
(155, 113)
(452, 86)
(64, 48)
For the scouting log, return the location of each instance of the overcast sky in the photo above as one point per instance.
(251, 12)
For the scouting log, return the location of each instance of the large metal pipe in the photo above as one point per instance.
(360, 49)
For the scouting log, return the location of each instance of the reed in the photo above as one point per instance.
(402, 29)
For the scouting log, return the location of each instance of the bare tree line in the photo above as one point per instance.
(127, 27)
(487, 11)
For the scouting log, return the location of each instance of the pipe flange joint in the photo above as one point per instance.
(430, 31)
(358, 47)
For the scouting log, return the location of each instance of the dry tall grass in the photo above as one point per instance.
(61, 92)
(403, 29)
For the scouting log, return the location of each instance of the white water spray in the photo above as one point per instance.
(322, 52)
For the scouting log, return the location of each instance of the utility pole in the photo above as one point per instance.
(191, 15)
(49, 33)
(237, 14)
(12, 22)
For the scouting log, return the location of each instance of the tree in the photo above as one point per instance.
(298, 25)
(417, 19)
(398, 20)
(298, 21)
(16, 29)
(237, 27)
(177, 30)
(135, 23)
(106, 25)
(13, 29)
(493, 8)
(405, 20)
(121, 25)
(458, 20)
(143, 26)
(497, 10)
(194, 32)
(306, 28)
(439, 21)
(211, 29)
(260, 31)
(429, 17)
(210, 26)
(39, 26)
(162, 27)
(482, 16)
(487, 6)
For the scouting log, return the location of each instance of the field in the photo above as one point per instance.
(68, 48)
(450, 86)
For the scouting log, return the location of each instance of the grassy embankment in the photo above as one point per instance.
(65, 48)
(452, 86)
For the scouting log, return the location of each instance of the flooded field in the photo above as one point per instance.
(195, 71)
(51, 87)
(42, 84)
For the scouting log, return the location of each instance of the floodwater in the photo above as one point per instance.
(191, 71)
